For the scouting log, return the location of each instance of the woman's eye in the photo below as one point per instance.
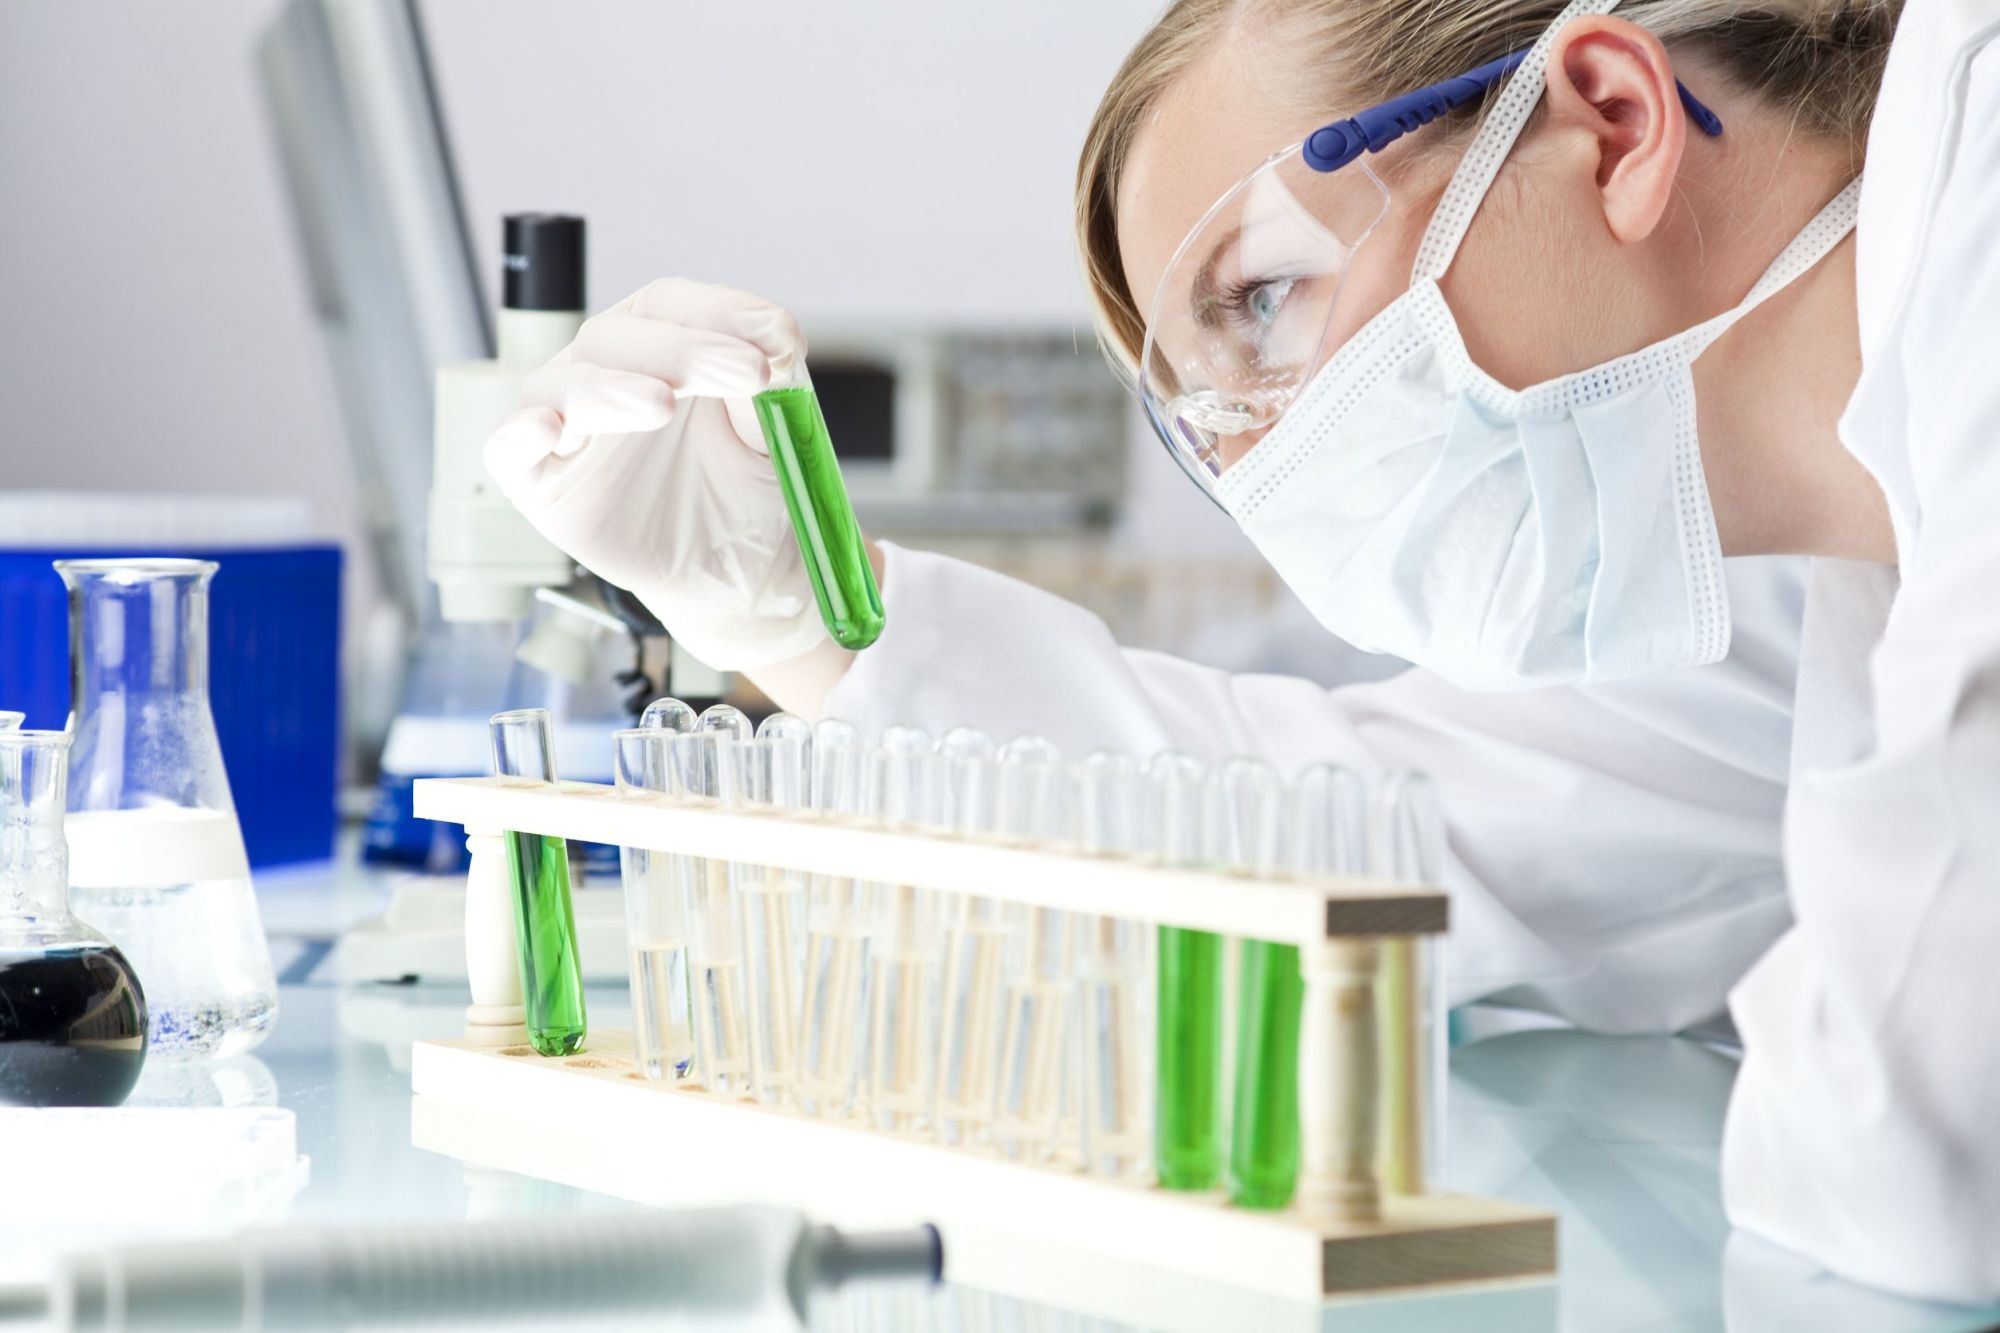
(1266, 298)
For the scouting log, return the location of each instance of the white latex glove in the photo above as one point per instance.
(638, 453)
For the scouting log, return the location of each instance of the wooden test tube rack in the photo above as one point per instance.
(1344, 1234)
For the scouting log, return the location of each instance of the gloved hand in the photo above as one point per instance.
(638, 453)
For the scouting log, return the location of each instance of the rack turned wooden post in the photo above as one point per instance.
(1362, 1220)
(496, 1016)
(1339, 1081)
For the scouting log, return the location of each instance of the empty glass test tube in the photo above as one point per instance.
(1038, 1053)
(775, 773)
(1264, 1127)
(701, 768)
(976, 938)
(1115, 1110)
(829, 537)
(667, 714)
(544, 921)
(903, 787)
(833, 1015)
(1188, 1105)
(656, 888)
(725, 720)
(1409, 847)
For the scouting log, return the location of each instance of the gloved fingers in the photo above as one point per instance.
(706, 305)
(743, 421)
(692, 361)
(518, 445)
(598, 400)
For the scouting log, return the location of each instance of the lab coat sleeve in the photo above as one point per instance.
(1865, 1126)
(1615, 851)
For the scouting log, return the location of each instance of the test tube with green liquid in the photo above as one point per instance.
(544, 922)
(1188, 1071)
(823, 520)
(1264, 1134)
(1264, 1130)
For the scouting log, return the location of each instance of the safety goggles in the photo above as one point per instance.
(1244, 313)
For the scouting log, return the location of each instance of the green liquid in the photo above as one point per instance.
(1264, 1151)
(1187, 1150)
(822, 517)
(1396, 993)
(545, 934)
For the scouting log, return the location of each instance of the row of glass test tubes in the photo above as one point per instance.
(1132, 1052)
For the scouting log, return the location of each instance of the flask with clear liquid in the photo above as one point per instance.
(156, 855)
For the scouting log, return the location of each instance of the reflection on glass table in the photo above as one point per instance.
(1620, 1135)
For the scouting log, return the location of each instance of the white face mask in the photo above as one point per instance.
(1554, 535)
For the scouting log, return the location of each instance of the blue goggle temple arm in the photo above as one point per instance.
(1334, 146)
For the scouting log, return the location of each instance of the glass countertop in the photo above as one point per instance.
(1619, 1136)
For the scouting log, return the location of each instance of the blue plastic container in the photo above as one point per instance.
(274, 678)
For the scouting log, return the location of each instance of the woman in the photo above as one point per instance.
(1498, 397)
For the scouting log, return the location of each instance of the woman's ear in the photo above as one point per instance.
(1610, 80)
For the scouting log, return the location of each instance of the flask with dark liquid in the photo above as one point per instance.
(72, 1016)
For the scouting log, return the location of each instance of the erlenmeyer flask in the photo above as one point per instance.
(72, 1016)
(156, 855)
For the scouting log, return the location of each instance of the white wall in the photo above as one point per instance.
(877, 162)
(893, 159)
(886, 161)
(154, 332)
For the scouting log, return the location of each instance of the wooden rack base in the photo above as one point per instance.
(594, 1121)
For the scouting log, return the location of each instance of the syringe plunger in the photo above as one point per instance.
(711, 1260)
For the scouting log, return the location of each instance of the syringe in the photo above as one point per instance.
(714, 1261)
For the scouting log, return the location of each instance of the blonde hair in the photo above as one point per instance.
(1822, 59)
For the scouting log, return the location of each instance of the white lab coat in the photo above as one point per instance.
(1865, 1126)
(1615, 849)
(1616, 853)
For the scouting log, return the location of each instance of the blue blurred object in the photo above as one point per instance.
(461, 674)
(274, 677)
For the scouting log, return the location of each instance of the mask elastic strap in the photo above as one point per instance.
(1489, 147)
(1828, 228)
